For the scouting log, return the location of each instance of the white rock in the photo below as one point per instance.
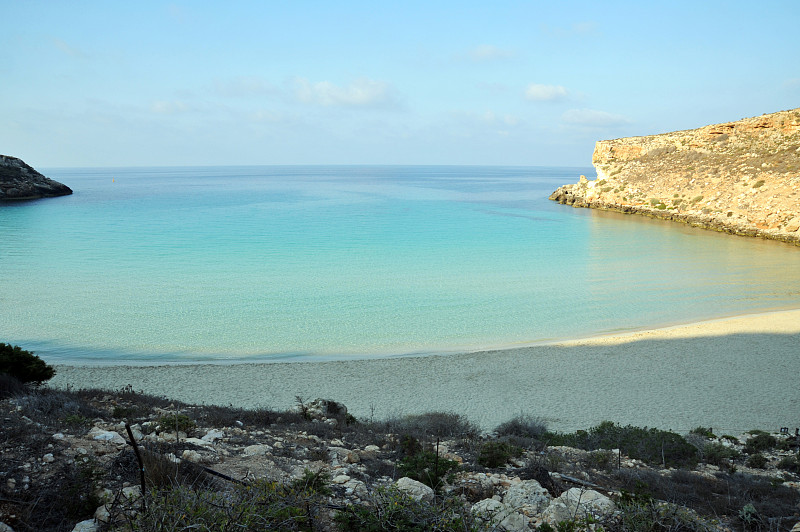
(105, 435)
(192, 456)
(198, 442)
(528, 495)
(340, 479)
(415, 489)
(48, 458)
(577, 502)
(372, 448)
(212, 435)
(58, 436)
(257, 450)
(499, 515)
(90, 525)
(102, 515)
(132, 493)
(5, 528)
(357, 488)
(11, 484)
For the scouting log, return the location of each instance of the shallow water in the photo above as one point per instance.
(308, 263)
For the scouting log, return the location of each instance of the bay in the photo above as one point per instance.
(227, 264)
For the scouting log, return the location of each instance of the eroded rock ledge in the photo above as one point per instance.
(739, 177)
(19, 181)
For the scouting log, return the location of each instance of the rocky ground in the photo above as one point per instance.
(740, 177)
(67, 464)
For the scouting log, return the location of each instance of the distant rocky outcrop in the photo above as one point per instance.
(19, 181)
(739, 177)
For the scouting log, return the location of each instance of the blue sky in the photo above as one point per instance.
(310, 82)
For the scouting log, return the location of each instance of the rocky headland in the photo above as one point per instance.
(739, 177)
(19, 181)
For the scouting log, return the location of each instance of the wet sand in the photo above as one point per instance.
(733, 375)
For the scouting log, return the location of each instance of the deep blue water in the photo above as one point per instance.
(320, 262)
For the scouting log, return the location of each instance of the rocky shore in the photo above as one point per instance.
(19, 181)
(739, 177)
(69, 464)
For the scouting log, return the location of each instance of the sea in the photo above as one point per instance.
(305, 263)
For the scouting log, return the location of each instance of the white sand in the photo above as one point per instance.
(732, 375)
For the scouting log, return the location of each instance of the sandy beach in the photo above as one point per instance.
(732, 374)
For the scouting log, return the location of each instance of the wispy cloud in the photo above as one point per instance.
(792, 84)
(244, 87)
(577, 29)
(545, 93)
(66, 48)
(488, 52)
(593, 118)
(164, 107)
(362, 92)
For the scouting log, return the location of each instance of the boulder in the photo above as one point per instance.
(414, 489)
(528, 496)
(577, 503)
(500, 516)
(106, 435)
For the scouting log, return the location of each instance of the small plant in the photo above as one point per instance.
(313, 482)
(758, 461)
(761, 441)
(428, 468)
(600, 459)
(718, 454)
(702, 431)
(24, 365)
(497, 454)
(523, 425)
(696, 199)
(749, 516)
(177, 422)
(391, 509)
(758, 184)
(790, 463)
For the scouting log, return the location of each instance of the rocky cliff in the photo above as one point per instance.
(739, 177)
(19, 181)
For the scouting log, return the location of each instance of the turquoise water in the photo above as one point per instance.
(296, 263)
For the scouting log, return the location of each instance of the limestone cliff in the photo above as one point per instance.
(739, 177)
(19, 181)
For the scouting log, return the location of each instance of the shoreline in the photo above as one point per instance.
(734, 374)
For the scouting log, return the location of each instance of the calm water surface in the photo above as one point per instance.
(296, 263)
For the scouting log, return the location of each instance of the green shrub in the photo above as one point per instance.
(718, 454)
(24, 365)
(790, 463)
(654, 446)
(758, 461)
(427, 467)
(391, 509)
(760, 442)
(758, 184)
(261, 505)
(702, 431)
(176, 422)
(497, 453)
(600, 459)
(523, 425)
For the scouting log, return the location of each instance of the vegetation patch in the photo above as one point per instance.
(651, 445)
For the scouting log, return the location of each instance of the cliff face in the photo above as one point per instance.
(739, 177)
(18, 181)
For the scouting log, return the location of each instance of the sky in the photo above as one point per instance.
(146, 83)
